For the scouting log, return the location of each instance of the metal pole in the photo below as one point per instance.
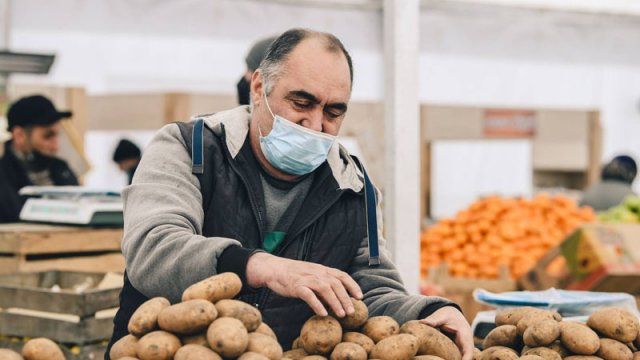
(402, 137)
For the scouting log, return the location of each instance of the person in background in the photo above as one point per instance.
(30, 156)
(253, 59)
(127, 155)
(617, 177)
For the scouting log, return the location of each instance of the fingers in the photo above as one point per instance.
(465, 343)
(435, 320)
(343, 297)
(351, 285)
(308, 296)
(326, 291)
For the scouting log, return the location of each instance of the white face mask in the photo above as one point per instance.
(292, 148)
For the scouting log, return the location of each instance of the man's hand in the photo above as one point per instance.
(451, 320)
(313, 283)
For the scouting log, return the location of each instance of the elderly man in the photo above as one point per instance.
(266, 192)
(30, 156)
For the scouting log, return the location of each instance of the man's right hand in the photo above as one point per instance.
(313, 283)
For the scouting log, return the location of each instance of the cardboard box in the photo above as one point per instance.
(596, 257)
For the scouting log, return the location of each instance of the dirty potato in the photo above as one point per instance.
(578, 338)
(189, 317)
(380, 327)
(348, 351)
(320, 334)
(360, 339)
(42, 349)
(196, 352)
(126, 346)
(542, 333)
(249, 315)
(431, 341)
(215, 288)
(264, 345)
(504, 335)
(615, 323)
(145, 319)
(158, 345)
(396, 347)
(614, 350)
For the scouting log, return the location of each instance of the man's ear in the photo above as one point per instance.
(19, 136)
(257, 86)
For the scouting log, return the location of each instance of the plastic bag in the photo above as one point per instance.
(567, 302)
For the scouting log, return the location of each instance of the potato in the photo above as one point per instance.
(431, 341)
(488, 353)
(249, 315)
(636, 355)
(615, 323)
(531, 357)
(266, 330)
(556, 316)
(314, 357)
(614, 350)
(126, 346)
(380, 327)
(295, 354)
(545, 353)
(360, 339)
(228, 337)
(296, 344)
(158, 345)
(578, 338)
(252, 356)
(7, 354)
(512, 316)
(560, 349)
(197, 339)
(320, 334)
(145, 319)
(542, 333)
(504, 335)
(477, 354)
(215, 288)
(196, 352)
(128, 358)
(582, 357)
(427, 357)
(396, 347)
(532, 318)
(501, 354)
(42, 349)
(348, 351)
(187, 317)
(360, 316)
(264, 345)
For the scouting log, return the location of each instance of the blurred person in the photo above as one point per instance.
(616, 180)
(253, 59)
(30, 156)
(127, 155)
(266, 192)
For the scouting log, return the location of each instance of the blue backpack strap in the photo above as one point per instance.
(197, 148)
(371, 203)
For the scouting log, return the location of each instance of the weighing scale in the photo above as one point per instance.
(72, 205)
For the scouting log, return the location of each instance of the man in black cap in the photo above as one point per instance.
(127, 155)
(29, 157)
(253, 59)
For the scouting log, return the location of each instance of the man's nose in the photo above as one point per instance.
(313, 120)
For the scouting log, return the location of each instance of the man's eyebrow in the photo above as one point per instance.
(303, 94)
(308, 96)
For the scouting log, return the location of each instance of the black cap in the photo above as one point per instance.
(126, 150)
(34, 110)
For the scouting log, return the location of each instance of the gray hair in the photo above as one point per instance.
(281, 47)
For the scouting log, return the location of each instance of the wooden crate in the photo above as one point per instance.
(460, 290)
(67, 307)
(28, 247)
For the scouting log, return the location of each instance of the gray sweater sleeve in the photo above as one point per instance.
(383, 290)
(163, 245)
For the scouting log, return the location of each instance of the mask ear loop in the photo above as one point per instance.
(264, 95)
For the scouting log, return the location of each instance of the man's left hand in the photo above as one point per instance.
(449, 319)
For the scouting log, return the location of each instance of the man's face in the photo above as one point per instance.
(43, 139)
(312, 91)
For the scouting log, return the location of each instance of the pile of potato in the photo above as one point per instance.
(358, 337)
(35, 349)
(535, 334)
(209, 325)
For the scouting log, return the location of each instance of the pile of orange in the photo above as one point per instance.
(495, 232)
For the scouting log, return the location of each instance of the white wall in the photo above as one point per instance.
(470, 54)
